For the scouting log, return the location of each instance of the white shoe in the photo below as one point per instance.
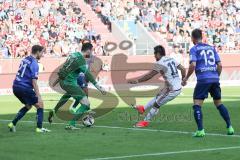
(11, 127)
(42, 130)
(70, 127)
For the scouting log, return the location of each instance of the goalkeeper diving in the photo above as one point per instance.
(75, 97)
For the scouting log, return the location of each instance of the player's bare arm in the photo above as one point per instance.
(36, 89)
(190, 72)
(219, 68)
(182, 69)
(93, 70)
(146, 77)
(55, 82)
(91, 78)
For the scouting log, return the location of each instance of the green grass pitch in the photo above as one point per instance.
(113, 137)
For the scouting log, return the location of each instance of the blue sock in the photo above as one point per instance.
(20, 114)
(39, 117)
(225, 115)
(198, 116)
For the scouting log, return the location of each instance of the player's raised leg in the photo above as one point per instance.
(67, 101)
(168, 67)
(84, 107)
(63, 100)
(160, 100)
(141, 109)
(82, 82)
(79, 96)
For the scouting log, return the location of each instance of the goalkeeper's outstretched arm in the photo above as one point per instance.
(91, 78)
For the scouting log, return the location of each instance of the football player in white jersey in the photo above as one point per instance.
(168, 68)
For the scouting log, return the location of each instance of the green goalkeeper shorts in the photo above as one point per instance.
(72, 90)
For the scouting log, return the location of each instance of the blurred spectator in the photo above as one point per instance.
(5, 52)
(175, 19)
(60, 26)
(105, 66)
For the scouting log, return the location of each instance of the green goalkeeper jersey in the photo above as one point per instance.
(74, 65)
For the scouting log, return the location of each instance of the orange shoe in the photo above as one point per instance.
(139, 108)
(142, 124)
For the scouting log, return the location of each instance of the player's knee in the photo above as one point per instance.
(86, 91)
(39, 105)
(198, 102)
(85, 101)
(156, 105)
(196, 107)
(28, 106)
(217, 103)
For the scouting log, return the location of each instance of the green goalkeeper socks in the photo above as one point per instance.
(72, 123)
(80, 111)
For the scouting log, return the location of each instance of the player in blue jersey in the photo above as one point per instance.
(207, 65)
(25, 88)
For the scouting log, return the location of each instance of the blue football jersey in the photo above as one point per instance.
(27, 71)
(206, 58)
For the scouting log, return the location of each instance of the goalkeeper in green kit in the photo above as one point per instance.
(68, 74)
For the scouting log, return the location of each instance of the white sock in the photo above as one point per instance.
(153, 112)
(150, 103)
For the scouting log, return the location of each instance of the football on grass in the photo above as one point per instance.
(88, 120)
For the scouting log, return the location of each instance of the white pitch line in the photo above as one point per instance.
(223, 96)
(167, 153)
(166, 131)
(137, 129)
(183, 95)
(8, 120)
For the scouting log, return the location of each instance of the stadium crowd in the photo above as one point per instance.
(58, 25)
(175, 19)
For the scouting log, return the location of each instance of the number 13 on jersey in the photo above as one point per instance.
(209, 57)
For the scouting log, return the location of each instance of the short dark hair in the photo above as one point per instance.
(37, 48)
(86, 46)
(197, 34)
(160, 49)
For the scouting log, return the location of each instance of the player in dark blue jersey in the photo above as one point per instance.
(207, 65)
(25, 88)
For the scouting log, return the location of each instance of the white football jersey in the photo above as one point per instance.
(167, 66)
